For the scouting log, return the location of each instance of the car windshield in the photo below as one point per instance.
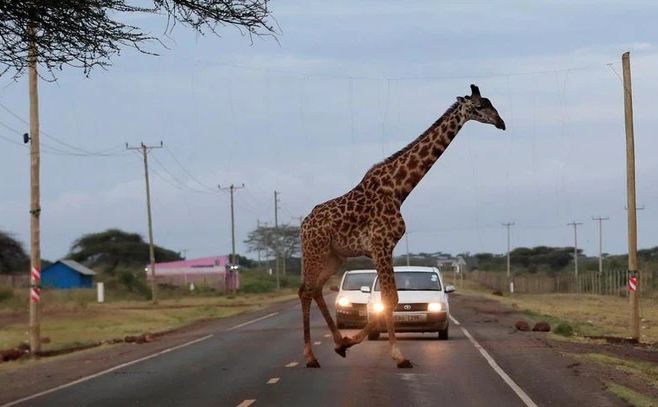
(415, 281)
(354, 281)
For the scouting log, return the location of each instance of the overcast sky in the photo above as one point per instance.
(347, 84)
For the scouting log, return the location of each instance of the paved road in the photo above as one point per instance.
(258, 360)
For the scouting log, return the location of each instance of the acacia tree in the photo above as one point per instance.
(12, 255)
(87, 33)
(283, 240)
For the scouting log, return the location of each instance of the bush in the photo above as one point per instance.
(6, 294)
(563, 329)
(258, 286)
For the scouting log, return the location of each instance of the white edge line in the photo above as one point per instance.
(515, 387)
(252, 321)
(112, 369)
(454, 320)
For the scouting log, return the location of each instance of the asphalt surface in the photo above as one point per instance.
(257, 360)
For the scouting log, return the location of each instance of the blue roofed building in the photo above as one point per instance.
(67, 274)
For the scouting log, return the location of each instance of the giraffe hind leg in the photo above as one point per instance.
(338, 339)
(306, 298)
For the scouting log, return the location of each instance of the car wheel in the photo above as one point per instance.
(443, 334)
(373, 336)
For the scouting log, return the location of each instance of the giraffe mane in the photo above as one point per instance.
(410, 145)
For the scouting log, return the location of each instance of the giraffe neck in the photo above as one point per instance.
(408, 166)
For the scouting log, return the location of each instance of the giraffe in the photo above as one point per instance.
(366, 221)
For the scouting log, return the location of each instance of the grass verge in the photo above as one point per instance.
(74, 323)
(631, 396)
(587, 314)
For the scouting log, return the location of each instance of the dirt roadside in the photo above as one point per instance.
(600, 368)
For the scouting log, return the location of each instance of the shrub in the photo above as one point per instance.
(563, 329)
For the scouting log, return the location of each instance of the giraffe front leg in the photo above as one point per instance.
(338, 339)
(306, 299)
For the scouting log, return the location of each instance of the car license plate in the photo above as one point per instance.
(408, 318)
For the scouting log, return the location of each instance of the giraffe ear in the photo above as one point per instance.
(460, 99)
(475, 92)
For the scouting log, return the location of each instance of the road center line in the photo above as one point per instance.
(252, 321)
(317, 343)
(292, 364)
(515, 387)
(327, 335)
(112, 369)
(273, 380)
(246, 403)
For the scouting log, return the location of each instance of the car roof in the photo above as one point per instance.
(416, 269)
(360, 271)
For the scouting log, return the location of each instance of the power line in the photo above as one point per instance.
(195, 179)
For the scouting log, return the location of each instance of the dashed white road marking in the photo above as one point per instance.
(515, 387)
(112, 369)
(327, 335)
(252, 321)
(292, 364)
(273, 380)
(317, 343)
(246, 403)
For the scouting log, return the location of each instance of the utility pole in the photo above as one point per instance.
(276, 230)
(633, 275)
(35, 207)
(232, 188)
(510, 283)
(575, 250)
(145, 150)
(600, 219)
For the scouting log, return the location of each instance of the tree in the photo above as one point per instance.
(113, 248)
(87, 33)
(13, 258)
(283, 240)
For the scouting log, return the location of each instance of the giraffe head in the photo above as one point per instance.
(475, 107)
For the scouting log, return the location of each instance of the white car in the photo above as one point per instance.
(422, 303)
(352, 299)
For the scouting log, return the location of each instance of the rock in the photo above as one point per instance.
(130, 339)
(522, 326)
(45, 339)
(498, 293)
(542, 326)
(11, 354)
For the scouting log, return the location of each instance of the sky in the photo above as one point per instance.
(344, 85)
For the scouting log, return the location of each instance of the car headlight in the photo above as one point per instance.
(343, 302)
(378, 307)
(434, 307)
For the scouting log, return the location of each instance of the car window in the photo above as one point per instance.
(357, 280)
(415, 281)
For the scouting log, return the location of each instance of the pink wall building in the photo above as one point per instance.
(211, 272)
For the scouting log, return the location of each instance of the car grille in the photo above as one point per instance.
(411, 307)
(359, 306)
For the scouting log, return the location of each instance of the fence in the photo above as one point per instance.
(14, 280)
(610, 282)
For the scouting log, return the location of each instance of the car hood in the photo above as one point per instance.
(355, 296)
(410, 297)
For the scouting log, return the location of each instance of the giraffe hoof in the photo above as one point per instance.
(313, 363)
(341, 350)
(405, 364)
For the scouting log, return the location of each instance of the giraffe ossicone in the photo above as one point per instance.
(366, 221)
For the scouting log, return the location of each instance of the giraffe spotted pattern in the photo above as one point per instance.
(366, 221)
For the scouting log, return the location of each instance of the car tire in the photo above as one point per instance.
(443, 334)
(373, 336)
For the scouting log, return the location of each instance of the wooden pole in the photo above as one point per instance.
(35, 208)
(630, 192)
(145, 150)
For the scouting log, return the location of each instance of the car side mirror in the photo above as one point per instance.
(334, 288)
(450, 289)
(365, 289)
